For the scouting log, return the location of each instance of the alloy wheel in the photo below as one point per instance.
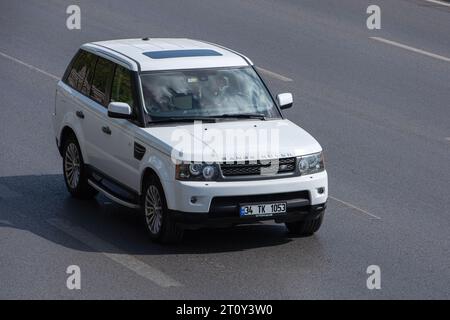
(153, 209)
(72, 166)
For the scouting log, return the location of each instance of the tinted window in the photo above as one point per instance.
(75, 75)
(167, 54)
(90, 61)
(122, 88)
(102, 80)
(83, 66)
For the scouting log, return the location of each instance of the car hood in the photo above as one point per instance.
(232, 140)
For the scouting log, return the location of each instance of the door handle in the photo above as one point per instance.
(106, 130)
(80, 114)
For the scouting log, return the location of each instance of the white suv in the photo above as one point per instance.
(174, 127)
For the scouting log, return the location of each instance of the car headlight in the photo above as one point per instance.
(311, 163)
(196, 171)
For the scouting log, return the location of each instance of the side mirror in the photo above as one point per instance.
(285, 100)
(119, 110)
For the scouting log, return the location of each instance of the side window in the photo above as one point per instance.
(81, 71)
(122, 89)
(102, 81)
(90, 61)
(75, 75)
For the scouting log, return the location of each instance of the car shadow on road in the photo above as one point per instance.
(34, 202)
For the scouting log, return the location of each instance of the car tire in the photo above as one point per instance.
(157, 220)
(305, 228)
(74, 170)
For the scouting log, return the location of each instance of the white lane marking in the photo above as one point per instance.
(403, 46)
(6, 192)
(439, 2)
(115, 254)
(356, 208)
(274, 74)
(29, 66)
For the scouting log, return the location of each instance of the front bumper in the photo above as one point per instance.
(223, 216)
(180, 194)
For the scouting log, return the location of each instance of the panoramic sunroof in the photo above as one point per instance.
(167, 54)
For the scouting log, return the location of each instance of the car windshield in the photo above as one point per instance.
(215, 93)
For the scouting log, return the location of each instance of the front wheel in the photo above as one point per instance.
(305, 228)
(157, 220)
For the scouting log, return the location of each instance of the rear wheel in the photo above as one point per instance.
(157, 220)
(74, 171)
(305, 228)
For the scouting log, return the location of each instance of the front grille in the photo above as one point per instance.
(249, 168)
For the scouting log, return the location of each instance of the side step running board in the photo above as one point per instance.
(112, 197)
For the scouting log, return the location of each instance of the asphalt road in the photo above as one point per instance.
(380, 110)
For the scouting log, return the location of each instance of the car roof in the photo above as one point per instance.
(151, 54)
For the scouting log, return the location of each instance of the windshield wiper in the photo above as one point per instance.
(210, 118)
(181, 119)
(243, 116)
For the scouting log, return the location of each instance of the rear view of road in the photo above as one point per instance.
(378, 101)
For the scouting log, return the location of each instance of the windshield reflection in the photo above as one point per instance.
(206, 92)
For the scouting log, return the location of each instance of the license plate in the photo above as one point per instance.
(265, 209)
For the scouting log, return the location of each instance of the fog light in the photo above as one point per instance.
(320, 190)
(193, 199)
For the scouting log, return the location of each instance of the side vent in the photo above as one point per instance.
(139, 151)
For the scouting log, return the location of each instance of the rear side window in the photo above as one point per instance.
(90, 61)
(102, 81)
(122, 90)
(81, 71)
